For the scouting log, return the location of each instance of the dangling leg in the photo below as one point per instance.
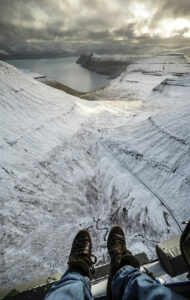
(126, 281)
(75, 283)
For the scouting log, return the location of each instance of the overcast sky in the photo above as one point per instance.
(68, 24)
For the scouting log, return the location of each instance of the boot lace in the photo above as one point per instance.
(81, 249)
(90, 259)
(117, 245)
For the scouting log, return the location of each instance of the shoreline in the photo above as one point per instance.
(62, 87)
(114, 72)
(110, 68)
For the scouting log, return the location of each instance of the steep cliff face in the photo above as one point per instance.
(109, 67)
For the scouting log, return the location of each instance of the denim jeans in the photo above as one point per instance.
(128, 283)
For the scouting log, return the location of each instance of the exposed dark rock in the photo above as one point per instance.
(62, 87)
(110, 67)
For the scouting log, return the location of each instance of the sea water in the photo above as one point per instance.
(64, 70)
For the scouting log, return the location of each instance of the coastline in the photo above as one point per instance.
(59, 86)
(62, 87)
(106, 67)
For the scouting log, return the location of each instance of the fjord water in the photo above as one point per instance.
(64, 70)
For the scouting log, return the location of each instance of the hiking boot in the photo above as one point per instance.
(119, 255)
(80, 257)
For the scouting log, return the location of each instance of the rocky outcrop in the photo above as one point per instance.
(108, 66)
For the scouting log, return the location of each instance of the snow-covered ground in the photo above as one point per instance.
(32, 74)
(118, 57)
(67, 163)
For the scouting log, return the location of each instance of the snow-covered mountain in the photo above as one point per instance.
(67, 163)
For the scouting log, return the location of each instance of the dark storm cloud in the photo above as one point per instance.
(17, 33)
(80, 16)
(170, 9)
(125, 32)
(173, 8)
(38, 22)
(99, 35)
(12, 10)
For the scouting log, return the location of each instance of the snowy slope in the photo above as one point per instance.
(67, 163)
(117, 57)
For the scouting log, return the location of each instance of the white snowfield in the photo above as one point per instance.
(68, 164)
(118, 57)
